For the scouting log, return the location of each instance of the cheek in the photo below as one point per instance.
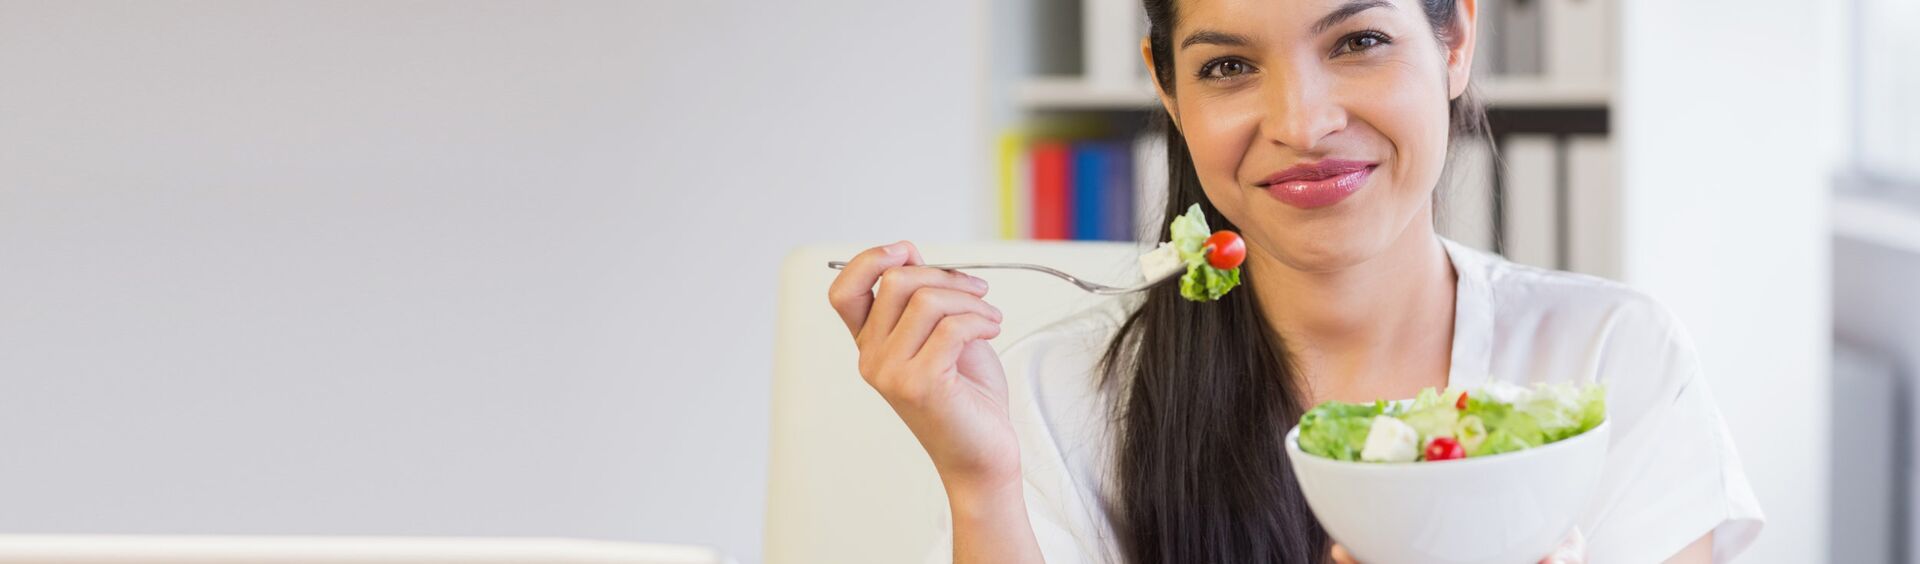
(1217, 138)
(1411, 113)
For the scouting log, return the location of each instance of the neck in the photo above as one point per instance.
(1382, 328)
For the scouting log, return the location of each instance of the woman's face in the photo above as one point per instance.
(1343, 101)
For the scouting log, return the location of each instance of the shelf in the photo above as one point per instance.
(1068, 93)
(1880, 221)
(1513, 92)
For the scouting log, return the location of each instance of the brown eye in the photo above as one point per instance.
(1362, 41)
(1222, 69)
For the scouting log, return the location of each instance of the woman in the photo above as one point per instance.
(1150, 430)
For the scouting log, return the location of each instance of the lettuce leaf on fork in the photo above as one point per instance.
(1202, 282)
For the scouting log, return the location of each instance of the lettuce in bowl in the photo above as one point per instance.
(1451, 424)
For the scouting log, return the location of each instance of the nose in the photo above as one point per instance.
(1300, 111)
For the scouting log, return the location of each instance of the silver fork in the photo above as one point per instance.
(1101, 289)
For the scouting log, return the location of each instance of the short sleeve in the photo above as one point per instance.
(1672, 474)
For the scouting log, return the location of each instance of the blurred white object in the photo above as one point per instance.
(1886, 87)
(167, 549)
(847, 482)
(1509, 508)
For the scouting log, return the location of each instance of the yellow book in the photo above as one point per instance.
(1013, 194)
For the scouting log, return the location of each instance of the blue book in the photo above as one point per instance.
(1102, 191)
(1117, 215)
(1089, 190)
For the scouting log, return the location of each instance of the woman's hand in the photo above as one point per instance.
(923, 345)
(1572, 550)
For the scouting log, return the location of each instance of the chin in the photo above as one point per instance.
(1321, 255)
(1330, 248)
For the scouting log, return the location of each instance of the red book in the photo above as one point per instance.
(1052, 191)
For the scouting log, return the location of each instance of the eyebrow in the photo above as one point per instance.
(1348, 10)
(1211, 37)
(1345, 11)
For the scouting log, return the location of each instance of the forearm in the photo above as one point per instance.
(990, 525)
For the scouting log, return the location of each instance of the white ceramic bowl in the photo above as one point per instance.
(1510, 508)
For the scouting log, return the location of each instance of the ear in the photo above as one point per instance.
(1466, 33)
(1166, 100)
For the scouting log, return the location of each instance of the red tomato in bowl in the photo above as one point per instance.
(1445, 448)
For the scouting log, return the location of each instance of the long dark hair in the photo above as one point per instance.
(1206, 391)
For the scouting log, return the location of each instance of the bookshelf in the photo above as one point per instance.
(1072, 93)
(1544, 67)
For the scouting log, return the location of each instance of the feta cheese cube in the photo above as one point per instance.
(1391, 440)
(1161, 262)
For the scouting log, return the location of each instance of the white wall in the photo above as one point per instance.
(1729, 120)
(439, 267)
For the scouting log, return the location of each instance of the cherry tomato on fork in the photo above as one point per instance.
(1226, 250)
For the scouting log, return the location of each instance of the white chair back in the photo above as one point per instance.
(197, 549)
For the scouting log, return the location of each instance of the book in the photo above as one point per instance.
(1465, 213)
(1531, 206)
(1116, 222)
(1150, 186)
(1593, 207)
(1576, 35)
(1052, 219)
(1102, 193)
(1016, 195)
(1111, 47)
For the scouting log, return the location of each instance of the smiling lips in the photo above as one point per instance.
(1318, 184)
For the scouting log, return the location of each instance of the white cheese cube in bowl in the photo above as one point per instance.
(1391, 440)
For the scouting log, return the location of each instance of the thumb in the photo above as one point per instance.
(980, 364)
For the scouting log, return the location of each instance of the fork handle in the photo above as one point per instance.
(841, 265)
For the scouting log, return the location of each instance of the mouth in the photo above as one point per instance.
(1318, 184)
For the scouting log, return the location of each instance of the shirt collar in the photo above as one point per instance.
(1472, 353)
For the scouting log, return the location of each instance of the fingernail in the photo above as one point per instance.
(977, 283)
(896, 249)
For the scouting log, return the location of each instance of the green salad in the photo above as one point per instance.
(1211, 259)
(1451, 424)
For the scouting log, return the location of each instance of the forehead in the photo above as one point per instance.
(1265, 17)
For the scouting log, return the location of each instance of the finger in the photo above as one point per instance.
(899, 284)
(950, 337)
(852, 290)
(1340, 555)
(924, 311)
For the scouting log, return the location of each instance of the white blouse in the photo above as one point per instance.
(1672, 474)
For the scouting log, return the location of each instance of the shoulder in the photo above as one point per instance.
(1537, 297)
(1556, 325)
